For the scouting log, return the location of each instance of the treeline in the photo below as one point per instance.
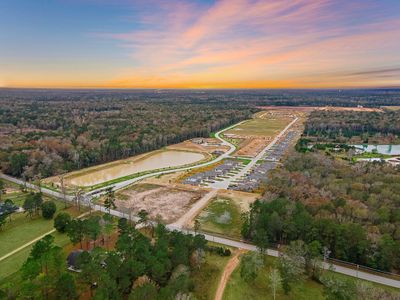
(285, 97)
(340, 126)
(352, 210)
(139, 267)
(44, 138)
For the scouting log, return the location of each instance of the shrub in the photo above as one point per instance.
(48, 209)
(61, 222)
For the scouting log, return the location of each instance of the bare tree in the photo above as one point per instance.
(274, 281)
(79, 194)
(63, 191)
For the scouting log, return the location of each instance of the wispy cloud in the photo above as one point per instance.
(260, 41)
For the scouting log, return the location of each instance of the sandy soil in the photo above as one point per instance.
(165, 202)
(253, 147)
(338, 108)
(210, 145)
(289, 108)
(243, 199)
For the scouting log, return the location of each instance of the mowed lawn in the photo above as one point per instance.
(22, 229)
(13, 263)
(222, 216)
(260, 127)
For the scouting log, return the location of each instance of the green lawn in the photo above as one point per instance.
(207, 278)
(222, 216)
(22, 229)
(12, 264)
(260, 127)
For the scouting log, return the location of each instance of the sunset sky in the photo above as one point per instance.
(200, 44)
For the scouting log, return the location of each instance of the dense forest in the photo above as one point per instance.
(48, 132)
(254, 97)
(44, 138)
(352, 209)
(138, 267)
(341, 126)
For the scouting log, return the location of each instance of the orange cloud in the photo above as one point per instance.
(257, 43)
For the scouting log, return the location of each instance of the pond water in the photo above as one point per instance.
(382, 149)
(165, 159)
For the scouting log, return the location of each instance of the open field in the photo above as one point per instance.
(259, 127)
(205, 145)
(12, 264)
(258, 132)
(238, 289)
(223, 214)
(333, 108)
(206, 279)
(360, 109)
(391, 107)
(242, 199)
(252, 147)
(22, 229)
(167, 203)
(303, 109)
(138, 164)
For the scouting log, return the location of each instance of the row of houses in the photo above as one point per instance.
(259, 173)
(252, 180)
(228, 168)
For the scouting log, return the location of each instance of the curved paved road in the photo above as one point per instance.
(232, 148)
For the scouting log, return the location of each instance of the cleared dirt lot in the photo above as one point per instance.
(243, 199)
(208, 145)
(252, 147)
(258, 132)
(167, 203)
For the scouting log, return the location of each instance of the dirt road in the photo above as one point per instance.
(230, 267)
(195, 209)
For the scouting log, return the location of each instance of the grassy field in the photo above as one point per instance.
(237, 288)
(222, 216)
(206, 278)
(12, 264)
(260, 127)
(22, 229)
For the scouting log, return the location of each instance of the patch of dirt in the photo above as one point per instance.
(167, 203)
(242, 199)
(208, 145)
(337, 108)
(253, 147)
